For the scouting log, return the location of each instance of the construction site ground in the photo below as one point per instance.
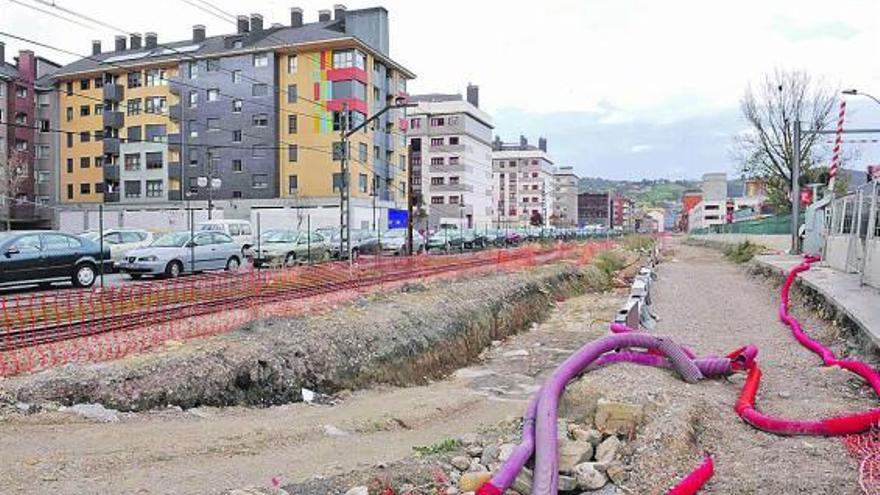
(702, 301)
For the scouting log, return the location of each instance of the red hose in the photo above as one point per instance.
(692, 483)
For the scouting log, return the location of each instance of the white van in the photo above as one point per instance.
(239, 230)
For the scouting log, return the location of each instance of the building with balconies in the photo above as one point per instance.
(522, 183)
(565, 198)
(451, 155)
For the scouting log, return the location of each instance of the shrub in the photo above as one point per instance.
(742, 252)
(638, 242)
(609, 262)
(441, 447)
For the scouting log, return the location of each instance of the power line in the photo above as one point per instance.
(52, 14)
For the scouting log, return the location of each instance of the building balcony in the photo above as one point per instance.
(173, 139)
(174, 113)
(114, 92)
(111, 145)
(111, 197)
(452, 188)
(174, 170)
(447, 168)
(174, 196)
(111, 173)
(448, 148)
(114, 120)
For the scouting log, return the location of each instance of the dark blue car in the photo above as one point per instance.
(44, 257)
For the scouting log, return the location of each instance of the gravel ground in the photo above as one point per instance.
(714, 307)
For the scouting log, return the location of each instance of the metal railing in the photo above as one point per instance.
(854, 217)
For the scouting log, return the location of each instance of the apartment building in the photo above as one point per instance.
(623, 213)
(522, 177)
(248, 119)
(565, 198)
(594, 209)
(27, 116)
(451, 155)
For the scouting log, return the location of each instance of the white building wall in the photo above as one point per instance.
(527, 178)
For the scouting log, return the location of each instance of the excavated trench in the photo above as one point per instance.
(404, 337)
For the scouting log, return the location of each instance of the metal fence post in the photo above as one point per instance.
(309, 238)
(101, 242)
(259, 240)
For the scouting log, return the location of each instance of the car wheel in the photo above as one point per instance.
(290, 260)
(84, 275)
(233, 264)
(135, 276)
(174, 269)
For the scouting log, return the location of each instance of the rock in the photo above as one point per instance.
(505, 451)
(616, 472)
(567, 483)
(470, 482)
(95, 412)
(784, 395)
(523, 482)
(358, 490)
(476, 467)
(607, 450)
(608, 489)
(572, 453)
(591, 436)
(562, 429)
(516, 353)
(469, 439)
(474, 450)
(588, 477)
(617, 417)
(451, 490)
(490, 454)
(461, 462)
(332, 431)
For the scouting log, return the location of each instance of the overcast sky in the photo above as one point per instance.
(621, 88)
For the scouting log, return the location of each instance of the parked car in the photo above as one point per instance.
(445, 240)
(392, 242)
(357, 238)
(239, 230)
(180, 252)
(291, 247)
(121, 241)
(45, 257)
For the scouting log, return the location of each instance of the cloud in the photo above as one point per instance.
(640, 148)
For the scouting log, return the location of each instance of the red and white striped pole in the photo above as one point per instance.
(835, 159)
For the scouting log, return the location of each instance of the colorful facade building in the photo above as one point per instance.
(248, 119)
(27, 114)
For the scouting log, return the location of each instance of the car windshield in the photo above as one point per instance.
(4, 236)
(176, 239)
(92, 236)
(279, 236)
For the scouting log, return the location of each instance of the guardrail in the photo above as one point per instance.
(41, 330)
(852, 241)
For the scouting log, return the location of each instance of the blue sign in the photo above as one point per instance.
(397, 219)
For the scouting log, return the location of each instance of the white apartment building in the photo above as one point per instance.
(522, 175)
(565, 199)
(719, 195)
(451, 156)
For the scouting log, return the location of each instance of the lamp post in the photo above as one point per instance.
(855, 92)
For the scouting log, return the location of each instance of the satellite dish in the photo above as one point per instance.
(215, 183)
(202, 181)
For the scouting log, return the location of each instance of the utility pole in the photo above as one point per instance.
(375, 193)
(344, 198)
(795, 187)
(410, 200)
(210, 166)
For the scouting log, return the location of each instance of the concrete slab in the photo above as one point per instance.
(860, 303)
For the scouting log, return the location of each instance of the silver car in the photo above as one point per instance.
(180, 252)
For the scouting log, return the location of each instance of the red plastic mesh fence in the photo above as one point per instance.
(865, 448)
(41, 330)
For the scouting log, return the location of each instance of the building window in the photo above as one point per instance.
(21, 92)
(212, 65)
(453, 181)
(453, 160)
(85, 137)
(437, 141)
(85, 188)
(84, 84)
(236, 166)
(133, 134)
(42, 151)
(155, 133)
(437, 200)
(99, 187)
(70, 140)
(258, 152)
(337, 182)
(154, 160)
(85, 162)
(291, 93)
(453, 140)
(261, 59)
(415, 123)
(85, 110)
(260, 181)
(132, 189)
(291, 124)
(155, 189)
(132, 162)
(237, 106)
(236, 194)
(213, 123)
(236, 76)
(69, 114)
(236, 136)
(452, 120)
(133, 107)
(213, 94)
(193, 99)
(437, 160)
(349, 58)
(437, 181)
(156, 77)
(259, 90)
(292, 184)
(69, 90)
(99, 109)
(363, 150)
(134, 79)
(453, 200)
(291, 64)
(193, 70)
(261, 120)
(43, 177)
(99, 82)
(70, 191)
(292, 153)
(70, 165)
(438, 122)
(99, 161)
(155, 104)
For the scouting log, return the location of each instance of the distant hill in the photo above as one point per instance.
(646, 192)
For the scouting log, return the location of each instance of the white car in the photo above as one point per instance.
(239, 230)
(121, 241)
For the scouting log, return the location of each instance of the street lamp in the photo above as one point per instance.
(855, 92)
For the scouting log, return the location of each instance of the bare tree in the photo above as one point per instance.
(772, 109)
(14, 176)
